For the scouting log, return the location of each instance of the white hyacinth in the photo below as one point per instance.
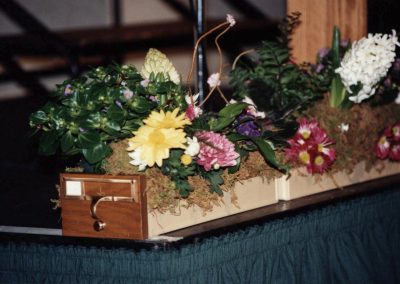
(367, 62)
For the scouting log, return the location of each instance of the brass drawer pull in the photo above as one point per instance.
(99, 225)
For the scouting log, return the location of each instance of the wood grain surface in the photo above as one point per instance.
(318, 17)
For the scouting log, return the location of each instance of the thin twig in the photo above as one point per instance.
(240, 55)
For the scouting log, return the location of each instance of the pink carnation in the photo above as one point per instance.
(215, 151)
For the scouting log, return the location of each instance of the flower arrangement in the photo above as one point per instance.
(153, 122)
(281, 114)
(330, 105)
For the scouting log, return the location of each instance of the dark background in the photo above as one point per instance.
(28, 182)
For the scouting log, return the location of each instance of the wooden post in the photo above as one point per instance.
(318, 17)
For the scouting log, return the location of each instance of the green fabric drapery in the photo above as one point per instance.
(356, 241)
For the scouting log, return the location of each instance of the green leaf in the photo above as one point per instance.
(38, 117)
(115, 113)
(336, 47)
(141, 105)
(338, 92)
(215, 181)
(268, 153)
(221, 123)
(97, 153)
(112, 128)
(67, 141)
(234, 137)
(233, 110)
(88, 139)
(49, 143)
(184, 187)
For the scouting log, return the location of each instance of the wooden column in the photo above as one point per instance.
(318, 17)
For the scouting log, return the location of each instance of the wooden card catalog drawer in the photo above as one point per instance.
(103, 206)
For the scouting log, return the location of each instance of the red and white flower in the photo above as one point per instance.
(310, 147)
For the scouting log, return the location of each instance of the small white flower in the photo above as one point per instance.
(214, 80)
(344, 127)
(135, 155)
(252, 108)
(397, 101)
(194, 97)
(193, 147)
(144, 83)
(197, 110)
(128, 94)
(230, 19)
(367, 62)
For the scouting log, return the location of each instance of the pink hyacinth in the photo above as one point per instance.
(215, 151)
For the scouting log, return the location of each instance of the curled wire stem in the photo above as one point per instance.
(222, 95)
(219, 48)
(208, 96)
(220, 68)
(240, 55)
(189, 78)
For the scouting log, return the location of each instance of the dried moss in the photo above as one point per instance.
(365, 125)
(162, 195)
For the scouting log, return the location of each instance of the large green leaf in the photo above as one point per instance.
(67, 141)
(268, 153)
(38, 117)
(112, 128)
(97, 153)
(115, 113)
(220, 123)
(88, 139)
(49, 143)
(232, 110)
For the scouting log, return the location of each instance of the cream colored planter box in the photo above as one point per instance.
(251, 194)
(298, 185)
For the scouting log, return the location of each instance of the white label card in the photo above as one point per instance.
(73, 188)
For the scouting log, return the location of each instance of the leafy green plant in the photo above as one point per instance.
(84, 115)
(276, 84)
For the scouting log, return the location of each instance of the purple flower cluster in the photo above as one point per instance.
(249, 127)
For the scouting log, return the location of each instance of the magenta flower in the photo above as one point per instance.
(310, 147)
(388, 144)
(394, 153)
(382, 147)
(396, 132)
(215, 151)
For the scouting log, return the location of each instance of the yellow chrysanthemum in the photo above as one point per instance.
(155, 143)
(157, 62)
(167, 120)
